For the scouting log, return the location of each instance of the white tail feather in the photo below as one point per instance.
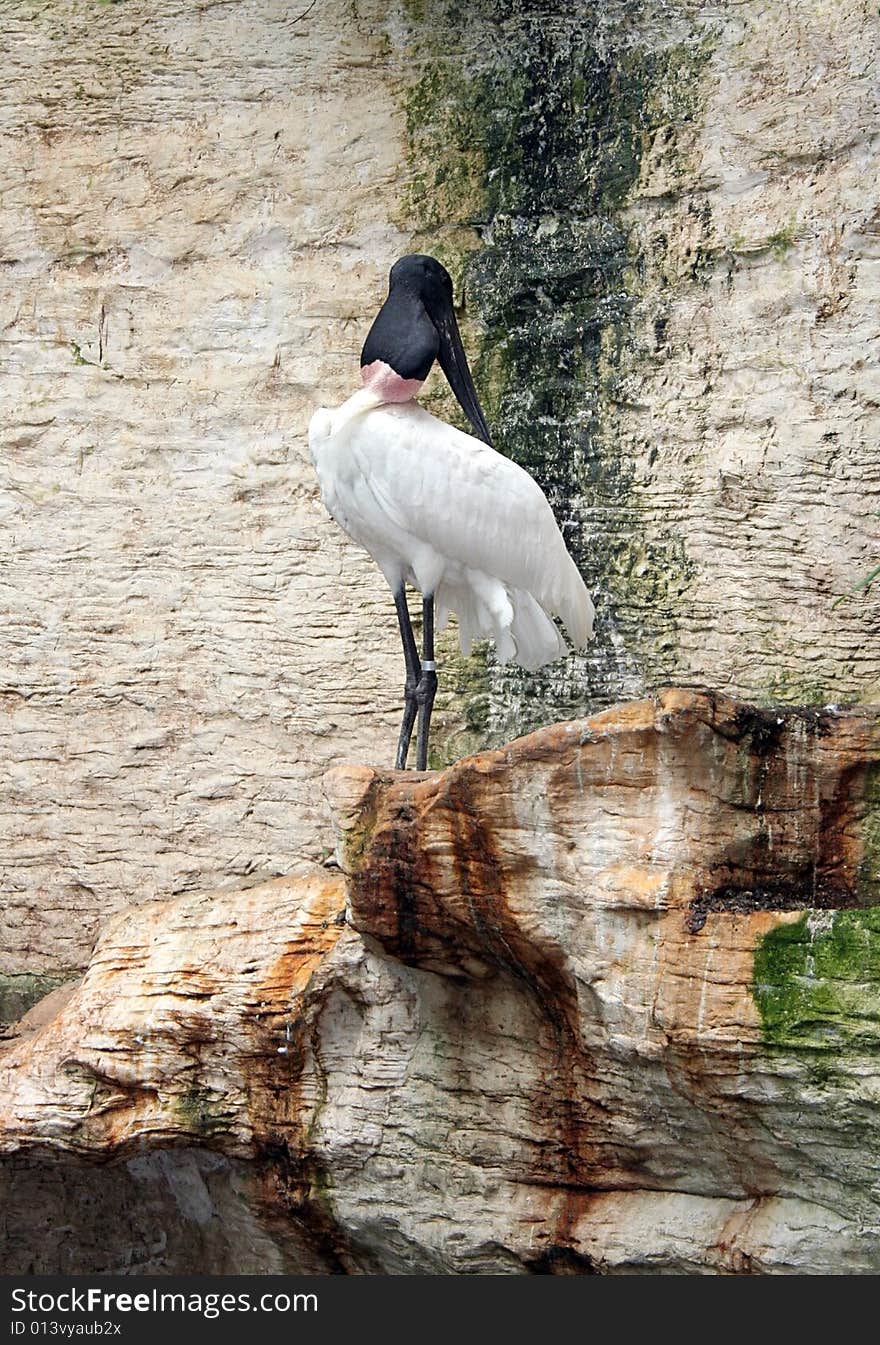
(575, 607)
(521, 629)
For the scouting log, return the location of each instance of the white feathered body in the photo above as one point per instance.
(437, 508)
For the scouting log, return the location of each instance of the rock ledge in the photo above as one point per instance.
(605, 1000)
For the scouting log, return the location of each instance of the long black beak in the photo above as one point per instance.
(453, 362)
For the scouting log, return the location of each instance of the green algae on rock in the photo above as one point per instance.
(20, 991)
(817, 981)
(869, 869)
(199, 1113)
(527, 126)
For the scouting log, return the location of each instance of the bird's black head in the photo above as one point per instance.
(423, 276)
(417, 324)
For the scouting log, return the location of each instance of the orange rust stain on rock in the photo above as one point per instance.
(433, 884)
(176, 1025)
(315, 932)
(701, 984)
(574, 1206)
(635, 716)
(281, 1033)
(121, 1123)
(681, 829)
(731, 1257)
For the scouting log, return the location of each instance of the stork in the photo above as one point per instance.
(439, 509)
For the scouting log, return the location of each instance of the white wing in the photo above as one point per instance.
(419, 494)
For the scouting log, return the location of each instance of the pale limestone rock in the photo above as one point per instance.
(606, 1000)
(198, 211)
(212, 974)
(199, 206)
(762, 403)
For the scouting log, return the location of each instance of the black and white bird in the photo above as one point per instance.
(439, 509)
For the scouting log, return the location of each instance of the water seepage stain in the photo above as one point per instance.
(527, 125)
(808, 800)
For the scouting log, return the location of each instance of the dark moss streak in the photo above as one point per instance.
(527, 128)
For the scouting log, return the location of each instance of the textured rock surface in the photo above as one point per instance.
(665, 216)
(187, 1031)
(677, 286)
(198, 207)
(606, 1000)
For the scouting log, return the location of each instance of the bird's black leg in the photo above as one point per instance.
(427, 684)
(413, 677)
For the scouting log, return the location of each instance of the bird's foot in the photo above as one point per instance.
(410, 708)
(418, 700)
(426, 690)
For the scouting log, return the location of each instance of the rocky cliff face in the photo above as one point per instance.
(663, 221)
(198, 209)
(604, 1000)
(675, 282)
